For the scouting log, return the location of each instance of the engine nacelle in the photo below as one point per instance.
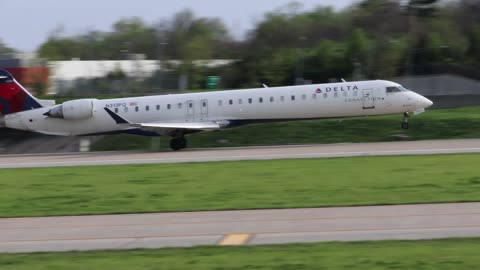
(73, 110)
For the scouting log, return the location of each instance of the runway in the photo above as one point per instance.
(243, 153)
(249, 227)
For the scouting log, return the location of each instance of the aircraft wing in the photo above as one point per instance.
(166, 127)
(181, 125)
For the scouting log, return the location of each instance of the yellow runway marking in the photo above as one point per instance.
(235, 239)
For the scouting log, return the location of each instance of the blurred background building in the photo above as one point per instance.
(28, 69)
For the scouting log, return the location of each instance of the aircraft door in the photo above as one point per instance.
(204, 109)
(368, 99)
(190, 110)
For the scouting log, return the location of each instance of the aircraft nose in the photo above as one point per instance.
(425, 102)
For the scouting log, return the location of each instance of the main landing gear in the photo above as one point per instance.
(405, 120)
(178, 143)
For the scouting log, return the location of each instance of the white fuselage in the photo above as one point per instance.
(234, 107)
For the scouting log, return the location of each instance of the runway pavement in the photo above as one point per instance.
(243, 153)
(248, 227)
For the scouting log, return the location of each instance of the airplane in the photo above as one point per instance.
(178, 115)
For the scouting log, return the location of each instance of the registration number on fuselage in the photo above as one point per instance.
(116, 105)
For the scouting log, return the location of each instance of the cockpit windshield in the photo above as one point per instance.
(396, 89)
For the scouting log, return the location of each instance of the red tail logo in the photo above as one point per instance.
(13, 97)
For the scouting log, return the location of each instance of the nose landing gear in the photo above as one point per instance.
(405, 120)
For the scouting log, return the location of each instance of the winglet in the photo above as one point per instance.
(118, 119)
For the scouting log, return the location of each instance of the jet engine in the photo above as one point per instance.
(73, 110)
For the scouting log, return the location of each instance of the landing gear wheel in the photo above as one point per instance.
(405, 120)
(178, 143)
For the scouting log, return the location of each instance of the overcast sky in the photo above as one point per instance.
(27, 23)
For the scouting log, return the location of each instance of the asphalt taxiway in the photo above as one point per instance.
(246, 227)
(243, 153)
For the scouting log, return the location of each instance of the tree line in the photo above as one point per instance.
(371, 39)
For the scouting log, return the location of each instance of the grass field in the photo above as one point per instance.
(435, 124)
(455, 254)
(239, 185)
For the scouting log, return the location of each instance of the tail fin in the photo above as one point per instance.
(13, 97)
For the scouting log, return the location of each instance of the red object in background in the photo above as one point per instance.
(29, 76)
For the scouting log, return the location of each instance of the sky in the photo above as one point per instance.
(27, 23)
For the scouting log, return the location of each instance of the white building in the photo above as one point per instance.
(64, 74)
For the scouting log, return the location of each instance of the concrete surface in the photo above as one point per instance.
(247, 227)
(243, 153)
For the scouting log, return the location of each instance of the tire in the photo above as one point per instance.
(183, 143)
(405, 125)
(178, 144)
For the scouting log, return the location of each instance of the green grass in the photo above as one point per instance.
(239, 185)
(435, 124)
(455, 254)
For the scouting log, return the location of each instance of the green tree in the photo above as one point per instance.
(188, 39)
(358, 51)
(59, 48)
(327, 61)
(5, 49)
(130, 36)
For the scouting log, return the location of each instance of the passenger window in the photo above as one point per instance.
(147, 108)
(204, 104)
(293, 97)
(250, 100)
(260, 100)
(325, 95)
(220, 103)
(314, 96)
(335, 95)
(116, 110)
(136, 108)
(344, 94)
(169, 106)
(240, 101)
(355, 93)
(190, 104)
(304, 97)
(272, 99)
(158, 107)
(179, 105)
(282, 98)
(230, 102)
(125, 109)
